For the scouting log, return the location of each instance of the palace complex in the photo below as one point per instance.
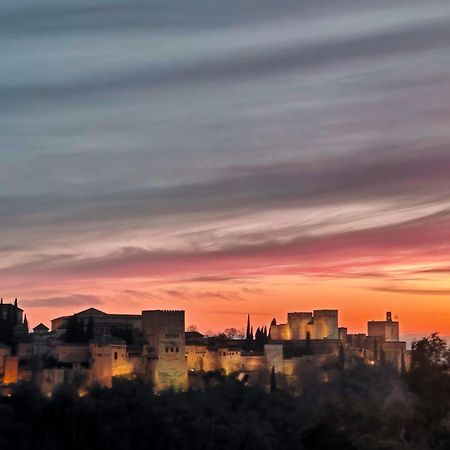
(92, 346)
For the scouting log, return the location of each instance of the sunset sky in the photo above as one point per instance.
(227, 157)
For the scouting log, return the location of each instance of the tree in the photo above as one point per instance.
(341, 358)
(75, 331)
(261, 338)
(25, 323)
(90, 329)
(308, 343)
(429, 354)
(273, 380)
(429, 378)
(233, 333)
(247, 332)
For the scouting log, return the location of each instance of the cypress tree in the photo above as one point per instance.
(308, 343)
(341, 358)
(14, 317)
(25, 323)
(80, 334)
(273, 380)
(90, 329)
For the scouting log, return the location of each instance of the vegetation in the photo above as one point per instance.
(77, 331)
(8, 321)
(361, 407)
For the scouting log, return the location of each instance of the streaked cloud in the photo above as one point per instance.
(197, 151)
(75, 300)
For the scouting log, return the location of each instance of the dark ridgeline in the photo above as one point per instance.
(363, 407)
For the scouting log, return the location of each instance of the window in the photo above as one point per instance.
(171, 349)
(167, 349)
(115, 355)
(178, 350)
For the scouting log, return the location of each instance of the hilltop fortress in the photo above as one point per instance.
(92, 346)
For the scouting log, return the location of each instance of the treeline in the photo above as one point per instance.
(363, 407)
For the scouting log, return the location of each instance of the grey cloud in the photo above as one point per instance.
(413, 291)
(296, 56)
(196, 294)
(57, 302)
(140, 295)
(410, 177)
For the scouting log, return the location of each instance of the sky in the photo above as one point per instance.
(247, 156)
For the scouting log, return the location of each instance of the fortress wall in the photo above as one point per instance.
(274, 357)
(325, 324)
(298, 323)
(280, 332)
(229, 360)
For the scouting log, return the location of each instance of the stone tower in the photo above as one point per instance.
(164, 332)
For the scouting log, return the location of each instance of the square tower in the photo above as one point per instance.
(325, 324)
(164, 332)
(298, 323)
(387, 329)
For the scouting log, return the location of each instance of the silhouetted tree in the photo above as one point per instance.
(341, 358)
(429, 379)
(90, 329)
(247, 331)
(273, 380)
(308, 349)
(260, 338)
(25, 323)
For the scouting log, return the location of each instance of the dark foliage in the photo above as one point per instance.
(123, 333)
(8, 320)
(429, 380)
(362, 407)
(76, 331)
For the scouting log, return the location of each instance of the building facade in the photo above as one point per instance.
(155, 347)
